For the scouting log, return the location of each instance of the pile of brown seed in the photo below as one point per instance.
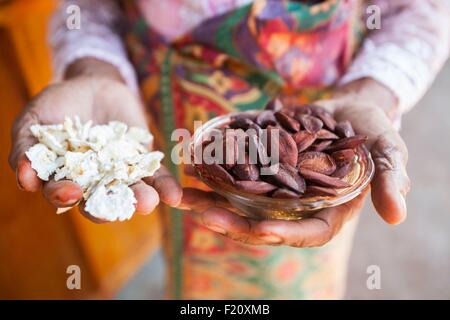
(315, 152)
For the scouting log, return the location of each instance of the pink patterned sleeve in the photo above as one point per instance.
(409, 49)
(98, 37)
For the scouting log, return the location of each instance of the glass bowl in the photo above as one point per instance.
(261, 207)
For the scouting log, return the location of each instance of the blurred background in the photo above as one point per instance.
(123, 260)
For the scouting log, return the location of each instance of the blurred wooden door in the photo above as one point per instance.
(36, 245)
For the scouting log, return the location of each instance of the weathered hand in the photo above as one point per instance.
(97, 98)
(389, 186)
(368, 114)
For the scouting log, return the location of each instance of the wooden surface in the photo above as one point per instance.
(36, 245)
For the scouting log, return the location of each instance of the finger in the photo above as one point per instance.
(63, 193)
(26, 177)
(390, 183)
(22, 140)
(310, 232)
(199, 200)
(167, 186)
(230, 224)
(314, 231)
(146, 196)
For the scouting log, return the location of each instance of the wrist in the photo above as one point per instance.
(92, 67)
(368, 90)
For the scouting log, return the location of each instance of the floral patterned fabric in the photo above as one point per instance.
(238, 61)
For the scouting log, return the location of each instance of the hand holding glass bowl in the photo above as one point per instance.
(316, 219)
(359, 169)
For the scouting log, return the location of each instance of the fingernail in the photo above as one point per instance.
(270, 239)
(217, 229)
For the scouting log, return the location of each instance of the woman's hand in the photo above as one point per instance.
(365, 104)
(370, 108)
(93, 91)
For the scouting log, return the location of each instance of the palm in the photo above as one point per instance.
(97, 100)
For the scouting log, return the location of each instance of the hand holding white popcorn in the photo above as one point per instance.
(103, 159)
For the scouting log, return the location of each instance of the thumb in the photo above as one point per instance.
(22, 140)
(391, 183)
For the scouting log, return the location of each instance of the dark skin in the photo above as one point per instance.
(94, 90)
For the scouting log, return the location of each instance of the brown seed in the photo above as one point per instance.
(256, 145)
(287, 148)
(215, 172)
(320, 191)
(255, 187)
(258, 130)
(266, 118)
(298, 178)
(323, 180)
(320, 146)
(302, 109)
(288, 109)
(274, 105)
(207, 153)
(324, 134)
(342, 170)
(244, 115)
(287, 122)
(284, 178)
(344, 129)
(326, 118)
(200, 146)
(347, 143)
(246, 171)
(282, 193)
(240, 123)
(303, 139)
(310, 123)
(345, 155)
(230, 149)
(317, 161)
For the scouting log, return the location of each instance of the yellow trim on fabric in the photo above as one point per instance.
(201, 91)
(248, 97)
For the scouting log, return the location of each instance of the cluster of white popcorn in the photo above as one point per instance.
(103, 159)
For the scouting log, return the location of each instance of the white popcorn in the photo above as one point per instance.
(101, 135)
(146, 165)
(140, 135)
(82, 168)
(119, 128)
(105, 201)
(103, 159)
(42, 160)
